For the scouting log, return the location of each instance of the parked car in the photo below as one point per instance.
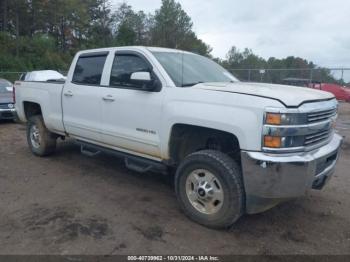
(7, 107)
(235, 147)
(42, 75)
(341, 93)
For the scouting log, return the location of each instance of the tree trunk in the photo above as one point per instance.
(63, 34)
(4, 20)
(33, 20)
(17, 31)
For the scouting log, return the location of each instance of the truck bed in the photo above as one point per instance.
(48, 95)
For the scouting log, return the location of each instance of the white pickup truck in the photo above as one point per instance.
(234, 147)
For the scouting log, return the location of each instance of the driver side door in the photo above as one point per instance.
(131, 116)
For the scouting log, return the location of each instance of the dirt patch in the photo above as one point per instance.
(293, 235)
(153, 233)
(65, 224)
(346, 146)
(145, 199)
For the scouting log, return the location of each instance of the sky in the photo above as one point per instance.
(317, 30)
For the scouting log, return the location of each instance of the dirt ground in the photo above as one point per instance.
(73, 204)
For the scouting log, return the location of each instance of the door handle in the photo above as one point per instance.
(68, 93)
(108, 98)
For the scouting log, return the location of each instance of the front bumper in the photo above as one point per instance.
(270, 179)
(8, 113)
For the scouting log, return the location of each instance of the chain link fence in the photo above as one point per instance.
(11, 76)
(295, 76)
(301, 77)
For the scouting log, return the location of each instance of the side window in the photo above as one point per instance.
(88, 70)
(123, 66)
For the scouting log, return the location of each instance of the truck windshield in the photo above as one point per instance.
(5, 86)
(187, 69)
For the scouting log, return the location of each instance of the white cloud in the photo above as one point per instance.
(313, 29)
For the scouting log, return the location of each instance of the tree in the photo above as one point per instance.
(101, 23)
(45, 34)
(131, 28)
(173, 28)
(276, 69)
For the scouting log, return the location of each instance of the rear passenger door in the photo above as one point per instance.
(131, 116)
(81, 98)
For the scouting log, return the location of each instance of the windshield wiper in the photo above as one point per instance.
(191, 84)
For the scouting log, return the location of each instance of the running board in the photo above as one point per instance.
(135, 163)
(85, 150)
(137, 166)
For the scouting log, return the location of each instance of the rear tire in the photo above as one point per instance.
(40, 140)
(209, 188)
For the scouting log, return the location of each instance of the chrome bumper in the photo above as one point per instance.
(7, 113)
(270, 179)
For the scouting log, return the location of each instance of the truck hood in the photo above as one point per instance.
(290, 96)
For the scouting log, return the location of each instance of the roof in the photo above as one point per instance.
(149, 48)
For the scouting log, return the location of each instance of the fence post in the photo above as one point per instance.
(311, 74)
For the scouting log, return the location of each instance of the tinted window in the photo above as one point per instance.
(89, 70)
(124, 66)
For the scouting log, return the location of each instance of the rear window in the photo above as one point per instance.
(88, 69)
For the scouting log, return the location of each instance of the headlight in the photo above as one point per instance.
(285, 119)
(283, 141)
(272, 141)
(282, 121)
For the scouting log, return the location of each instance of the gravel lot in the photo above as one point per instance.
(72, 204)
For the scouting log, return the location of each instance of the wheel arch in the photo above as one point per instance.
(31, 109)
(186, 139)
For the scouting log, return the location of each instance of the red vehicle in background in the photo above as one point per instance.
(340, 92)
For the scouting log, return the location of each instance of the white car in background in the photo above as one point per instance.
(42, 75)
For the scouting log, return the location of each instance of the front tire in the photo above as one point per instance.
(40, 140)
(209, 188)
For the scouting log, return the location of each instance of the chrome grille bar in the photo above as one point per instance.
(315, 138)
(322, 115)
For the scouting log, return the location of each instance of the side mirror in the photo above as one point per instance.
(145, 81)
(141, 77)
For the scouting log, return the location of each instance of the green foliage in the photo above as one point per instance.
(239, 62)
(37, 52)
(173, 28)
(45, 34)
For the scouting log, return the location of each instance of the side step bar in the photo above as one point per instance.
(135, 163)
(86, 151)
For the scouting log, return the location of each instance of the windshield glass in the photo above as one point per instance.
(5, 86)
(189, 69)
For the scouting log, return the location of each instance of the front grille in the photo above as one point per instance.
(4, 106)
(317, 137)
(6, 115)
(321, 115)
